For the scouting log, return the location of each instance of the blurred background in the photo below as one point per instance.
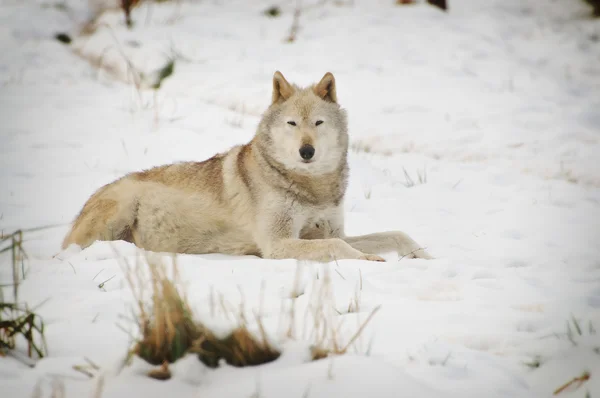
(509, 83)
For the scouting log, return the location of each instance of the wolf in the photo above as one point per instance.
(279, 196)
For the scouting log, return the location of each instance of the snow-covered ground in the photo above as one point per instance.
(497, 102)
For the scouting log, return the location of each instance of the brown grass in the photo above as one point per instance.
(166, 325)
(16, 319)
(240, 348)
(333, 346)
(168, 330)
(14, 246)
(325, 334)
(574, 383)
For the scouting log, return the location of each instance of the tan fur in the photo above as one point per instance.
(261, 198)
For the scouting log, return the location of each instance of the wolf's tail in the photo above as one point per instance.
(109, 214)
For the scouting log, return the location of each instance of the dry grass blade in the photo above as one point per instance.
(84, 370)
(58, 389)
(326, 331)
(333, 347)
(88, 369)
(99, 387)
(18, 255)
(578, 381)
(295, 23)
(15, 321)
(421, 178)
(361, 328)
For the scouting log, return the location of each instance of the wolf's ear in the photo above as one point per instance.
(282, 90)
(326, 88)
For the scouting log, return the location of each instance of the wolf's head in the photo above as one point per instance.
(305, 129)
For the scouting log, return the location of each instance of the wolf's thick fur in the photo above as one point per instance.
(271, 197)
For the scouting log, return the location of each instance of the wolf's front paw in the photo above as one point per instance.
(372, 257)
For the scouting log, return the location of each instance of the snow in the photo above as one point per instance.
(497, 102)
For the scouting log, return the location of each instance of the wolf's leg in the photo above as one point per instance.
(279, 235)
(322, 250)
(381, 242)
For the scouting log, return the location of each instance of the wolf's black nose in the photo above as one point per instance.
(307, 151)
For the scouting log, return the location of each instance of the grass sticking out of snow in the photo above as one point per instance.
(17, 321)
(326, 335)
(239, 348)
(576, 382)
(579, 338)
(169, 332)
(576, 331)
(13, 244)
(166, 325)
(333, 346)
(421, 178)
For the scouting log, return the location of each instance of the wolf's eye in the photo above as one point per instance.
(291, 122)
(318, 122)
